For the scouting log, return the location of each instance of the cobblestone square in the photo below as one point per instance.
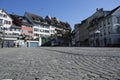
(60, 63)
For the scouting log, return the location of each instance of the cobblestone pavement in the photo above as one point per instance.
(60, 63)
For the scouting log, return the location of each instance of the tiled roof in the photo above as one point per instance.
(6, 13)
(16, 20)
(48, 20)
(107, 13)
(55, 22)
(19, 20)
(111, 12)
(35, 18)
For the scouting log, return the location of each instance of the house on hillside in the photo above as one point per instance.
(7, 33)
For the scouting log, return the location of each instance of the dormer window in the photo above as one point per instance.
(20, 18)
(36, 20)
(24, 20)
(4, 15)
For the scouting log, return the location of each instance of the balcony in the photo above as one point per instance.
(9, 36)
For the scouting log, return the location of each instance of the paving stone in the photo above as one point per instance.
(60, 63)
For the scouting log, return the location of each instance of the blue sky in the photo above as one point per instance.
(72, 11)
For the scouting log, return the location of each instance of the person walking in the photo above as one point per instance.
(8, 44)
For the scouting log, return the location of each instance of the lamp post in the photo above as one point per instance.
(97, 32)
(3, 36)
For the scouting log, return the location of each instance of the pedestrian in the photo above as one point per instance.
(17, 44)
(8, 44)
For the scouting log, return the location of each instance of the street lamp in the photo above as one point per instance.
(97, 32)
(3, 36)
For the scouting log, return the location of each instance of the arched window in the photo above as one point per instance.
(118, 29)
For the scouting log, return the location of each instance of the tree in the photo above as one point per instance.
(66, 37)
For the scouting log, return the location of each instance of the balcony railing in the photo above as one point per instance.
(9, 36)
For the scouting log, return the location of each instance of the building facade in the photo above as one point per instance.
(27, 28)
(101, 29)
(62, 36)
(105, 30)
(7, 35)
(81, 34)
(77, 34)
(24, 24)
(41, 29)
(48, 31)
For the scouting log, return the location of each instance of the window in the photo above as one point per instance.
(36, 25)
(109, 40)
(15, 34)
(118, 39)
(29, 26)
(108, 21)
(24, 20)
(25, 31)
(0, 29)
(6, 22)
(42, 26)
(104, 32)
(36, 20)
(41, 30)
(35, 29)
(4, 15)
(0, 15)
(118, 19)
(46, 26)
(1, 21)
(109, 30)
(17, 29)
(36, 34)
(9, 22)
(30, 32)
(10, 29)
(118, 29)
(46, 31)
(104, 23)
(52, 26)
(52, 31)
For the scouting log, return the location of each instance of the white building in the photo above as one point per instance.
(5, 21)
(5, 29)
(105, 30)
(8, 31)
(41, 28)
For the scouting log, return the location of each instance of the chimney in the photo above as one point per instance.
(97, 9)
(101, 9)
